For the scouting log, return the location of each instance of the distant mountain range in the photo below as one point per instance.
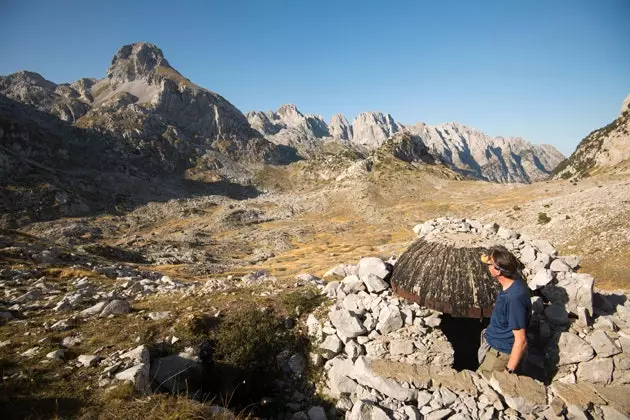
(463, 149)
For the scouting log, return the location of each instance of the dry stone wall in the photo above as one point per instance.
(386, 358)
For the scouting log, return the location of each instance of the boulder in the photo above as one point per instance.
(88, 360)
(545, 246)
(364, 375)
(558, 265)
(389, 320)
(174, 373)
(347, 324)
(572, 291)
(541, 279)
(596, 371)
(374, 283)
(138, 375)
(331, 346)
(572, 349)
(602, 344)
(339, 381)
(528, 255)
(95, 309)
(116, 307)
(372, 266)
(367, 410)
(352, 284)
(521, 393)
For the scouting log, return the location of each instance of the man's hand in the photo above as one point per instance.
(518, 349)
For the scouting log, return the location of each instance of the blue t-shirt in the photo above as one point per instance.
(511, 312)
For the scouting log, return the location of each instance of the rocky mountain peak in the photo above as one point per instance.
(289, 112)
(30, 78)
(136, 61)
(339, 127)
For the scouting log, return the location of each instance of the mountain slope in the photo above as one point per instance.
(602, 150)
(147, 102)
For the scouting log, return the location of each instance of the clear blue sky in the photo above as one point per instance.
(550, 71)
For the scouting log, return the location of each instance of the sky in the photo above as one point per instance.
(549, 71)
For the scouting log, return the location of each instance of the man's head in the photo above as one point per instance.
(501, 262)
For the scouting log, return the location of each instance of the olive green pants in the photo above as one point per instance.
(494, 360)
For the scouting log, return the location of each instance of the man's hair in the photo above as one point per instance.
(504, 261)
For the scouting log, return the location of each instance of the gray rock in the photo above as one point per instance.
(367, 410)
(157, 316)
(541, 279)
(331, 346)
(448, 396)
(438, 414)
(374, 266)
(314, 328)
(174, 373)
(602, 344)
(116, 307)
(559, 265)
(411, 412)
(137, 355)
(545, 246)
(573, 349)
(88, 360)
(347, 324)
(297, 364)
(352, 284)
(573, 291)
(353, 349)
(339, 381)
(389, 320)
(610, 413)
(71, 341)
(330, 289)
(56, 356)
(398, 347)
(572, 261)
(138, 375)
(363, 374)
(316, 413)
(433, 321)
(596, 371)
(354, 304)
(423, 398)
(523, 394)
(528, 255)
(374, 283)
(5, 317)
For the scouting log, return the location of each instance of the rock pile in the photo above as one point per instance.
(386, 358)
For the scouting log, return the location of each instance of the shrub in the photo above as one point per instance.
(543, 218)
(250, 340)
(302, 301)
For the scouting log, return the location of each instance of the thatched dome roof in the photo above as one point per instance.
(443, 272)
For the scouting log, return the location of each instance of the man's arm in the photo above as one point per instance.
(518, 349)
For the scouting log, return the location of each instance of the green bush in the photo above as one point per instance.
(250, 339)
(543, 218)
(302, 302)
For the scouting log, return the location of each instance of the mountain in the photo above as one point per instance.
(467, 151)
(144, 100)
(602, 150)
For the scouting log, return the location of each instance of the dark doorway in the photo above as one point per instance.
(463, 334)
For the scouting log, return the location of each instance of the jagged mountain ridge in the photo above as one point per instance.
(465, 150)
(603, 149)
(145, 100)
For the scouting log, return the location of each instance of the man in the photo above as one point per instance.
(504, 341)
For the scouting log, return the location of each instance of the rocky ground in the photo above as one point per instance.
(91, 303)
